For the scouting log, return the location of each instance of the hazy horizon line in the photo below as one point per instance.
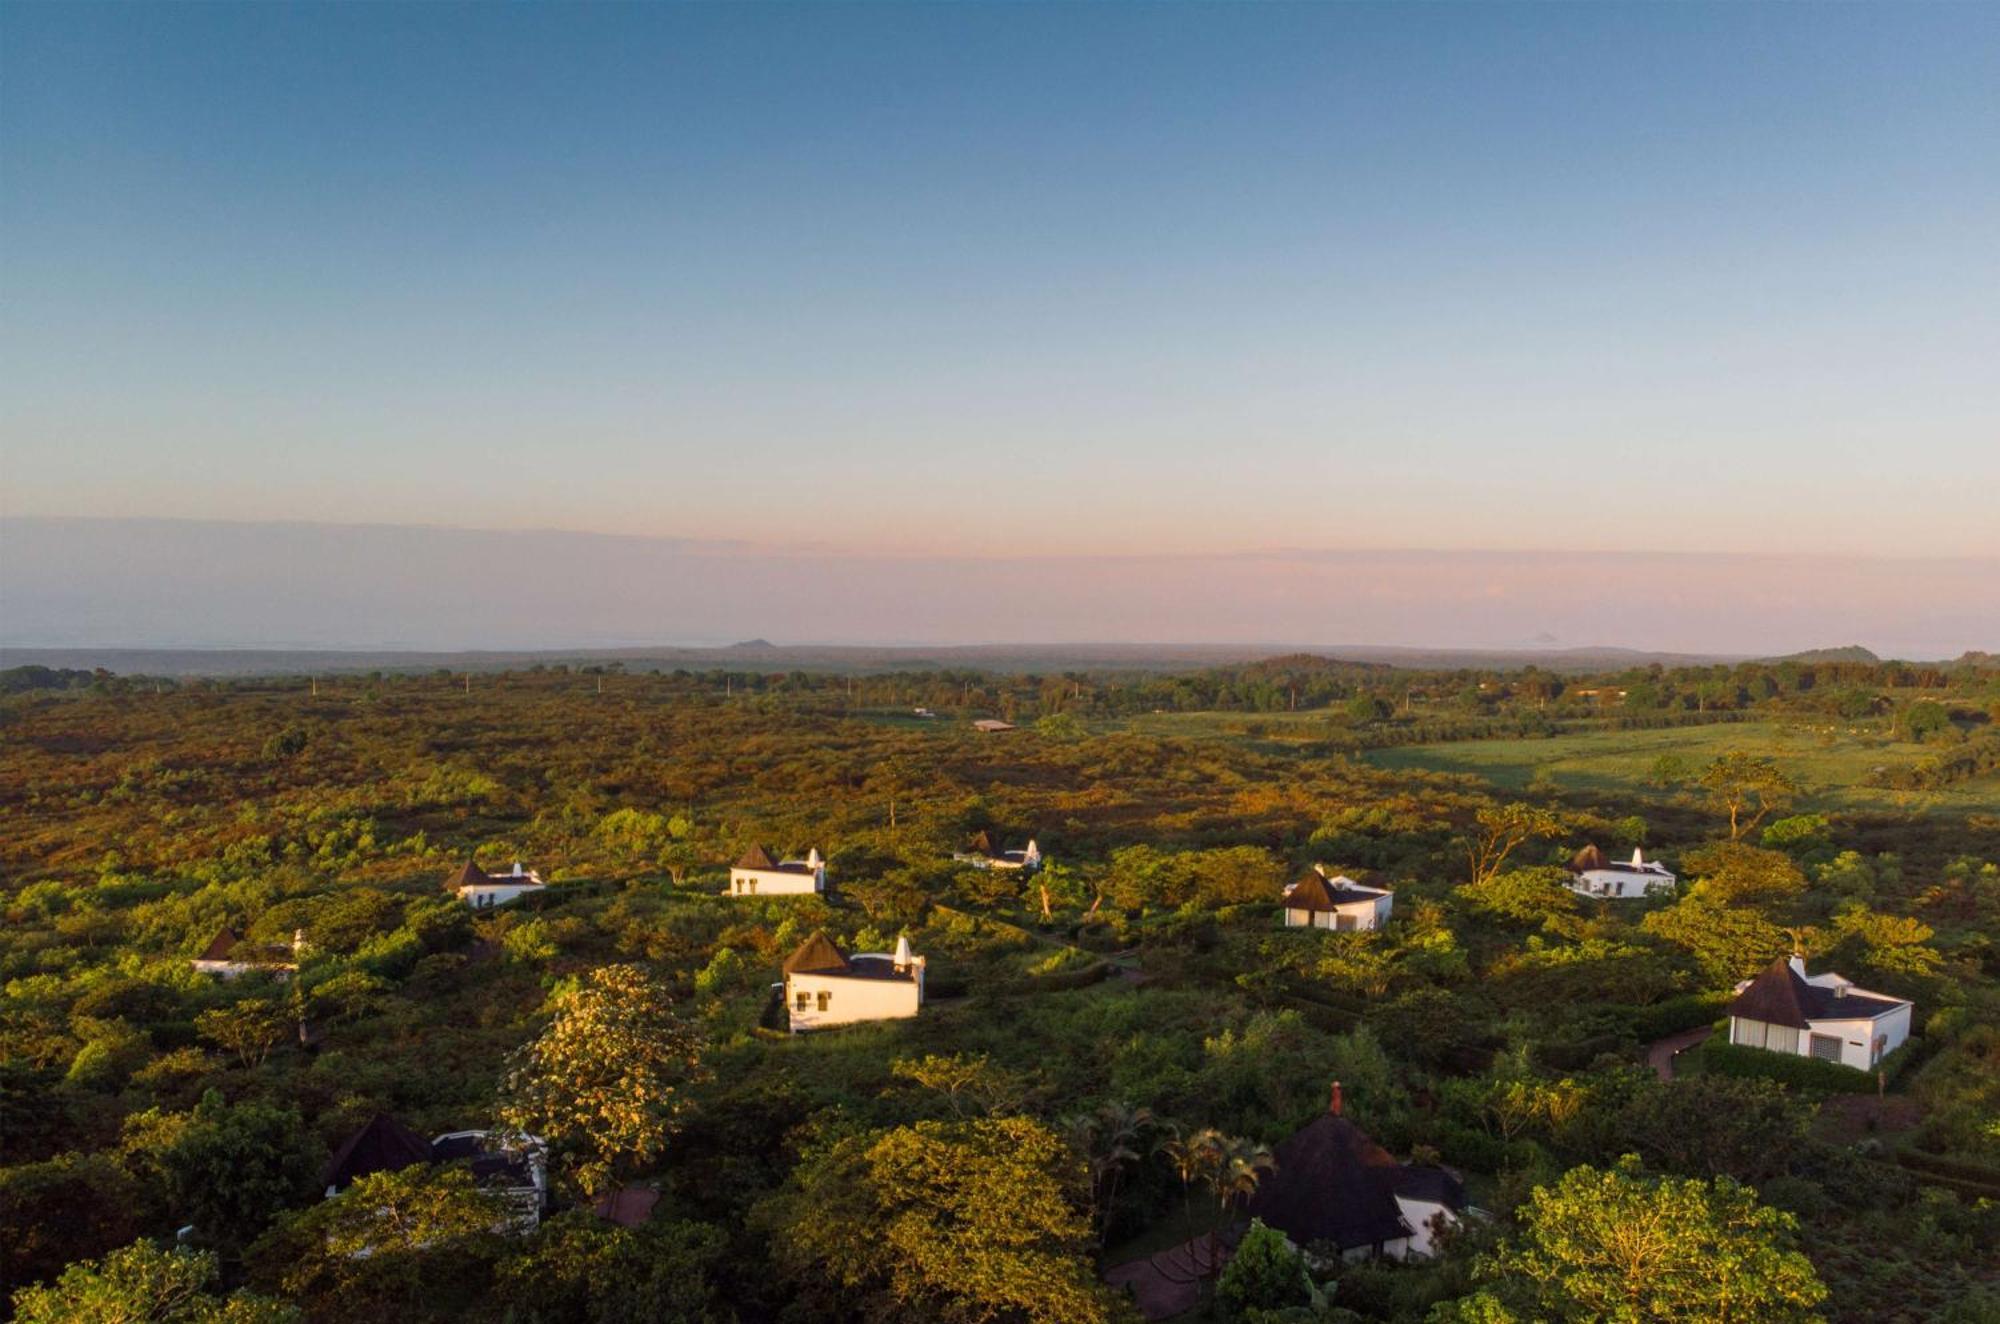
(783, 548)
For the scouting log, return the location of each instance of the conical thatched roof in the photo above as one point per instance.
(1590, 857)
(817, 955)
(218, 950)
(382, 1145)
(469, 876)
(756, 858)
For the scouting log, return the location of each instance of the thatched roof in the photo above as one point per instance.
(1313, 892)
(219, 949)
(1334, 1184)
(1782, 996)
(469, 876)
(756, 858)
(1587, 859)
(382, 1145)
(817, 955)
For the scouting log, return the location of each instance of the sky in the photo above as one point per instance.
(977, 295)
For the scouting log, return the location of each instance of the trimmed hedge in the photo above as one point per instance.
(1727, 1059)
(1677, 1014)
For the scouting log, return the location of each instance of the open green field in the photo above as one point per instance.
(1831, 762)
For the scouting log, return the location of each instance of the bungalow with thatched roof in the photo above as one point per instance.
(228, 956)
(1336, 1189)
(825, 986)
(483, 891)
(758, 874)
(514, 1167)
(1592, 873)
(1784, 1010)
(1317, 901)
(985, 851)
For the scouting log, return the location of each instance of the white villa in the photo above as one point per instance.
(982, 853)
(1319, 902)
(227, 956)
(757, 874)
(483, 891)
(824, 986)
(1785, 1010)
(514, 1168)
(1592, 874)
(1334, 1185)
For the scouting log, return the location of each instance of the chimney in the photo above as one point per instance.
(903, 954)
(812, 858)
(1335, 1103)
(298, 941)
(1798, 964)
(517, 868)
(1638, 857)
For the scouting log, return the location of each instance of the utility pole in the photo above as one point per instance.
(468, 682)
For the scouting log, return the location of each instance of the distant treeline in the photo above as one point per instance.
(1419, 705)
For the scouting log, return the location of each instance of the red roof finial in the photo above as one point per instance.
(1333, 1104)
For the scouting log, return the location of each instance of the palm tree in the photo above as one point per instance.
(1240, 1165)
(1192, 1157)
(1108, 1137)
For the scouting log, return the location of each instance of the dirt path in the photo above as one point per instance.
(1660, 1053)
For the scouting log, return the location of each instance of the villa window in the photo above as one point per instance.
(823, 999)
(805, 999)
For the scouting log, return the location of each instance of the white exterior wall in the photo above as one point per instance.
(496, 893)
(775, 882)
(232, 969)
(1857, 1037)
(1365, 914)
(1419, 1214)
(850, 1000)
(1608, 882)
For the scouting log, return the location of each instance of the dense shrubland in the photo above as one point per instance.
(983, 1160)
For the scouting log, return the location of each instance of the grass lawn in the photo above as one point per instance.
(1831, 761)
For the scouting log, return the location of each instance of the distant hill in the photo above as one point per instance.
(762, 655)
(1849, 653)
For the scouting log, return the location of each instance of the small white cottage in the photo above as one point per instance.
(483, 891)
(1319, 902)
(757, 874)
(1825, 1016)
(227, 956)
(984, 852)
(1593, 874)
(824, 986)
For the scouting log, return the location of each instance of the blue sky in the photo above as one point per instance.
(1013, 280)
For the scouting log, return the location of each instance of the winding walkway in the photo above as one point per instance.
(1660, 1054)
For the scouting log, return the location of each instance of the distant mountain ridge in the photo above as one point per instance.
(763, 655)
(1847, 653)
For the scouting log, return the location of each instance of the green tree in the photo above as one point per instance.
(1527, 896)
(963, 1222)
(142, 1284)
(1500, 830)
(1892, 944)
(250, 1029)
(1747, 787)
(389, 1242)
(606, 1082)
(227, 1170)
(1265, 1273)
(1614, 1246)
(1728, 942)
(65, 1208)
(580, 1269)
